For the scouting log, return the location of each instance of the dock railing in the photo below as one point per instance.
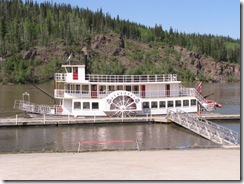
(35, 108)
(81, 143)
(212, 131)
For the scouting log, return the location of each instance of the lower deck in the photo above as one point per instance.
(146, 106)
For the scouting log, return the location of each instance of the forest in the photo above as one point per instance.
(27, 25)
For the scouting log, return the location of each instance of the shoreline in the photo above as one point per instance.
(197, 164)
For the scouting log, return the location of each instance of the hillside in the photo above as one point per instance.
(110, 54)
(35, 40)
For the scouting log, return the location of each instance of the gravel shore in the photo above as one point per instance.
(198, 164)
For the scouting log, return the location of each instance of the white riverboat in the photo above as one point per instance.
(81, 94)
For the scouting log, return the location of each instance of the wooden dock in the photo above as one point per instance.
(43, 120)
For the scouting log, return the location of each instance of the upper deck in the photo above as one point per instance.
(76, 74)
(93, 78)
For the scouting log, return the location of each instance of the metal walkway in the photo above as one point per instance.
(209, 130)
(35, 108)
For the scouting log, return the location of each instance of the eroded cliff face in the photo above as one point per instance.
(216, 71)
(109, 48)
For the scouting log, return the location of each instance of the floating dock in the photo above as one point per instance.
(44, 120)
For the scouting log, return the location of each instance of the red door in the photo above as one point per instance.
(167, 90)
(143, 89)
(75, 73)
(94, 91)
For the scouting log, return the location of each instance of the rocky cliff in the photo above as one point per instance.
(217, 71)
(113, 54)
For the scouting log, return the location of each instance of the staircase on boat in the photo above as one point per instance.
(207, 106)
(212, 131)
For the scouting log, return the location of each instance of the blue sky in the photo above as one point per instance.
(217, 17)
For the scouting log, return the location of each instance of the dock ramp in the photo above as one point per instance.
(212, 131)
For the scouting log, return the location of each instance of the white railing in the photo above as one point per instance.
(131, 78)
(59, 77)
(203, 127)
(122, 78)
(201, 99)
(60, 93)
(36, 108)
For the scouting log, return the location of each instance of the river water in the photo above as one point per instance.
(148, 136)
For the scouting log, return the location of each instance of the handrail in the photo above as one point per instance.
(203, 127)
(201, 99)
(36, 108)
(122, 78)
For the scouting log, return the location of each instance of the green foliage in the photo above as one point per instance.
(232, 78)
(15, 70)
(187, 75)
(24, 25)
(204, 78)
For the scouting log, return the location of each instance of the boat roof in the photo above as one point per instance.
(79, 66)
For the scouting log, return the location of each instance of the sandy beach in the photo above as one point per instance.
(198, 164)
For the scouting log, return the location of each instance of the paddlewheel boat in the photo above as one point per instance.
(81, 94)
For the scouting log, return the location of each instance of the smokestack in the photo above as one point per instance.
(86, 65)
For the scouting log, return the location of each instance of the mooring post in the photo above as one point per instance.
(79, 147)
(137, 145)
(16, 120)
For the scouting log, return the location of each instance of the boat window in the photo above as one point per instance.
(119, 87)
(111, 88)
(68, 69)
(154, 105)
(162, 104)
(68, 88)
(102, 88)
(86, 105)
(128, 88)
(135, 88)
(85, 89)
(95, 105)
(77, 105)
(185, 103)
(75, 69)
(145, 105)
(178, 103)
(170, 103)
(193, 102)
(77, 88)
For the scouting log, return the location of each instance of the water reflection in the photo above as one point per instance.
(63, 138)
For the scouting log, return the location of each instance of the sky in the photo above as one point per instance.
(217, 17)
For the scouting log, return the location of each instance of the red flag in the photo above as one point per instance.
(199, 88)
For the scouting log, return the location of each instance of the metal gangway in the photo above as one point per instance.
(212, 131)
(35, 108)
